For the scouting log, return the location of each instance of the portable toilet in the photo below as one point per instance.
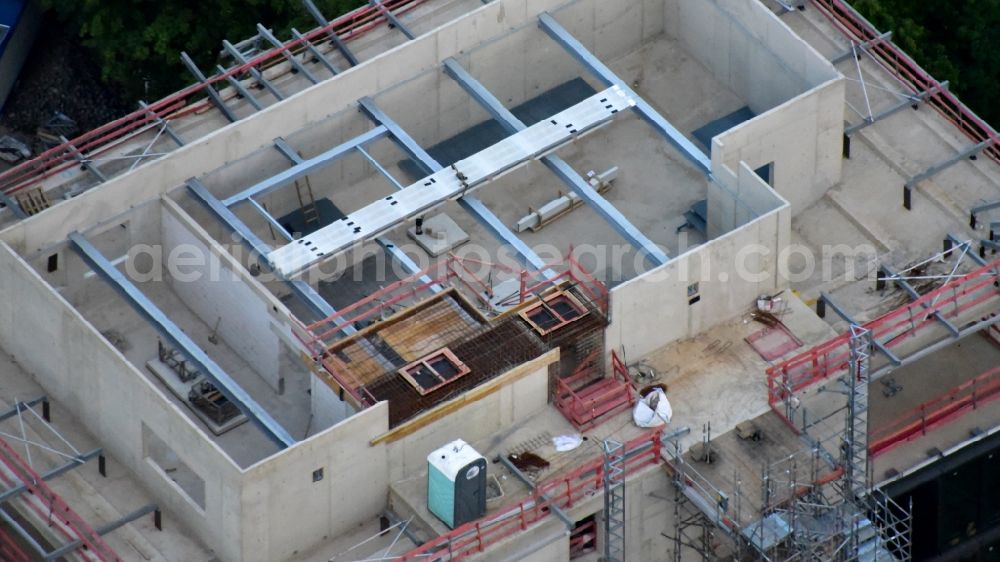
(456, 484)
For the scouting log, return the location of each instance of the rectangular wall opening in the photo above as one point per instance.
(158, 453)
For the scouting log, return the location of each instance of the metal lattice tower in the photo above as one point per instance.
(855, 451)
(614, 501)
(856, 434)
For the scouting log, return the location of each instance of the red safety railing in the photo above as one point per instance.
(10, 549)
(892, 329)
(906, 70)
(98, 141)
(586, 398)
(54, 506)
(563, 492)
(936, 412)
(470, 275)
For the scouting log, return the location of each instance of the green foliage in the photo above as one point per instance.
(954, 41)
(138, 42)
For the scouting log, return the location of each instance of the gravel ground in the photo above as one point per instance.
(59, 75)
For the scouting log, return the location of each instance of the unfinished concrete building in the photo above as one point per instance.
(439, 241)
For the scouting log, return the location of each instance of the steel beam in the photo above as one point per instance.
(570, 524)
(914, 295)
(164, 123)
(87, 164)
(393, 19)
(893, 358)
(179, 339)
(860, 48)
(300, 289)
(288, 151)
(910, 102)
(956, 243)
(235, 83)
(393, 251)
(103, 530)
(13, 205)
(470, 203)
(58, 471)
(378, 166)
(981, 209)
(294, 60)
(608, 78)
(315, 52)
(323, 22)
(937, 168)
(20, 407)
(256, 74)
(557, 165)
(306, 167)
(209, 89)
(22, 532)
(271, 220)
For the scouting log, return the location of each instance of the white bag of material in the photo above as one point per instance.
(653, 410)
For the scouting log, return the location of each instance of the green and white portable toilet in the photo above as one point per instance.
(456, 484)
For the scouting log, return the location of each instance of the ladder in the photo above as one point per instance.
(614, 501)
(307, 202)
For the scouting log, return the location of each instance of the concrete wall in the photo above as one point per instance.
(748, 48)
(217, 289)
(803, 137)
(638, 323)
(80, 369)
(736, 199)
(243, 137)
(284, 512)
(477, 420)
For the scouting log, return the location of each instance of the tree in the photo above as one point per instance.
(138, 42)
(953, 41)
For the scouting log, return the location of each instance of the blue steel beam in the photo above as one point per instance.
(471, 204)
(323, 22)
(275, 225)
(288, 151)
(292, 58)
(393, 19)
(302, 290)
(390, 248)
(843, 314)
(315, 52)
(609, 78)
(172, 332)
(914, 295)
(557, 165)
(967, 245)
(381, 169)
(306, 167)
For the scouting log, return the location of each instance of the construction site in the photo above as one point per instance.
(538, 280)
